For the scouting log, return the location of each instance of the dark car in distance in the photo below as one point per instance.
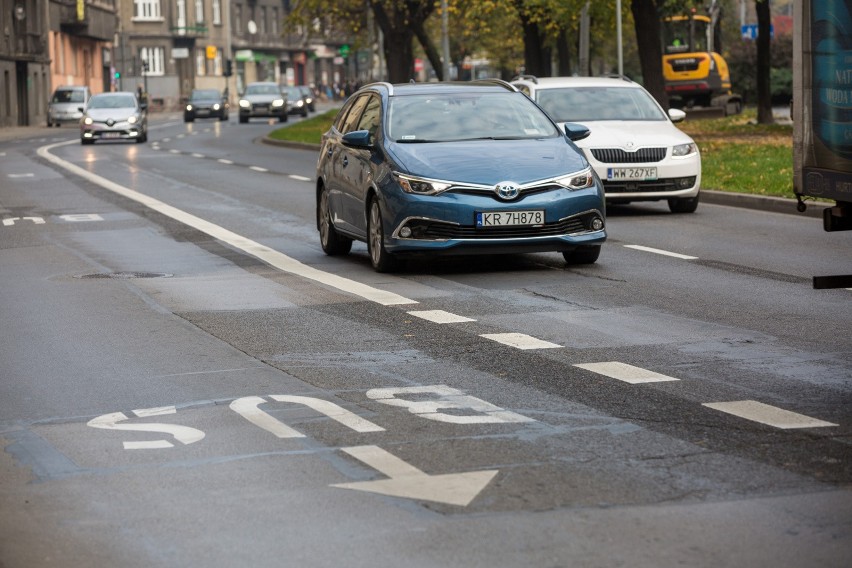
(310, 98)
(206, 103)
(296, 101)
(263, 99)
(455, 168)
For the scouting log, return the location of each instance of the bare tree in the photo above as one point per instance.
(764, 46)
(646, 19)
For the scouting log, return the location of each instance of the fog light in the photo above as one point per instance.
(405, 232)
(597, 224)
(686, 182)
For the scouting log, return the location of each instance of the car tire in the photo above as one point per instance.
(86, 141)
(380, 258)
(583, 254)
(223, 117)
(305, 113)
(243, 119)
(283, 118)
(332, 242)
(188, 119)
(683, 204)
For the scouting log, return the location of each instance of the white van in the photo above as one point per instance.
(64, 105)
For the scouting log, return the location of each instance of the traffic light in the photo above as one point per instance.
(117, 75)
(229, 70)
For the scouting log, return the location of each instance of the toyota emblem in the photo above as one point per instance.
(507, 190)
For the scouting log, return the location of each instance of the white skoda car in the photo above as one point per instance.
(634, 147)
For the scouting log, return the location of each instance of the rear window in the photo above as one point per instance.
(69, 96)
(579, 104)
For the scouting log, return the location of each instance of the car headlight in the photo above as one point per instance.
(216, 106)
(278, 102)
(132, 120)
(578, 180)
(300, 103)
(244, 103)
(188, 107)
(88, 120)
(684, 149)
(421, 186)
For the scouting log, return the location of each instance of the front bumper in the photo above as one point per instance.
(676, 178)
(445, 224)
(263, 111)
(118, 131)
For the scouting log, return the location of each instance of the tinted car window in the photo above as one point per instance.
(599, 103)
(354, 114)
(113, 101)
(371, 117)
(463, 116)
(199, 95)
(69, 96)
(263, 90)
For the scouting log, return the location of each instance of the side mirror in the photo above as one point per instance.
(81, 109)
(576, 131)
(676, 115)
(358, 139)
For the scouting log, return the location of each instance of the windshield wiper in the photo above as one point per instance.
(419, 141)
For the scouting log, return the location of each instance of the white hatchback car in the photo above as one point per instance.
(634, 147)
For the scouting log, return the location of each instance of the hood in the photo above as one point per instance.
(489, 161)
(117, 114)
(631, 134)
(262, 98)
(205, 101)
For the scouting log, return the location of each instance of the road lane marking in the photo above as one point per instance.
(258, 169)
(766, 414)
(520, 341)
(197, 155)
(15, 176)
(447, 398)
(268, 255)
(408, 482)
(662, 252)
(625, 372)
(299, 178)
(174, 151)
(223, 161)
(439, 316)
(183, 434)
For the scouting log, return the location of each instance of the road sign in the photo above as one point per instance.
(211, 51)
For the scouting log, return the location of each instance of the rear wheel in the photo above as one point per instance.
(332, 242)
(243, 119)
(585, 254)
(683, 204)
(381, 259)
(86, 141)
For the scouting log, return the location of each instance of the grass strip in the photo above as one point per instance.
(308, 131)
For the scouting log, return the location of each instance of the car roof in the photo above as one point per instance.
(557, 82)
(402, 89)
(115, 94)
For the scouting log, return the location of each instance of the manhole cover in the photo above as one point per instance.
(127, 275)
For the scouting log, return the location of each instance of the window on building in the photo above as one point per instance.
(262, 25)
(146, 10)
(274, 22)
(155, 56)
(238, 19)
(217, 12)
(199, 11)
(181, 17)
(217, 63)
(200, 62)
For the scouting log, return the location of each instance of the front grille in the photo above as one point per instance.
(492, 194)
(436, 230)
(671, 184)
(619, 156)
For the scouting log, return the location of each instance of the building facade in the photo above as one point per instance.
(24, 63)
(80, 43)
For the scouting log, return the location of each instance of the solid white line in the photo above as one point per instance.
(439, 316)
(625, 372)
(270, 256)
(258, 169)
(520, 341)
(663, 252)
(223, 161)
(299, 178)
(766, 414)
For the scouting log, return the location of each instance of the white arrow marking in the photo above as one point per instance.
(409, 482)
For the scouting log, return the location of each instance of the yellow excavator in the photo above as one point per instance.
(696, 75)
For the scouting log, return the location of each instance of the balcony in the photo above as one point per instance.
(85, 19)
(198, 30)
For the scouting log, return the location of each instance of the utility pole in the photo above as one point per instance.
(445, 40)
(618, 34)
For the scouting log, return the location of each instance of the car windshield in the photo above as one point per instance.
(113, 101)
(448, 117)
(263, 90)
(204, 94)
(581, 104)
(294, 93)
(68, 96)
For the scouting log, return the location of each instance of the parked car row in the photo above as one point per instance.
(495, 167)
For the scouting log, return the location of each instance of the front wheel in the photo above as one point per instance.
(683, 205)
(381, 259)
(584, 254)
(332, 242)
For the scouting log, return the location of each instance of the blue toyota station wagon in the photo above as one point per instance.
(455, 168)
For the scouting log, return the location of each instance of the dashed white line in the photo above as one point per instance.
(15, 176)
(662, 252)
(520, 341)
(767, 414)
(198, 155)
(625, 372)
(258, 169)
(299, 178)
(173, 151)
(223, 161)
(440, 316)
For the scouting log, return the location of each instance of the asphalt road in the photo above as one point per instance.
(187, 380)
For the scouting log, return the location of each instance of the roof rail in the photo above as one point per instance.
(497, 82)
(532, 78)
(385, 84)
